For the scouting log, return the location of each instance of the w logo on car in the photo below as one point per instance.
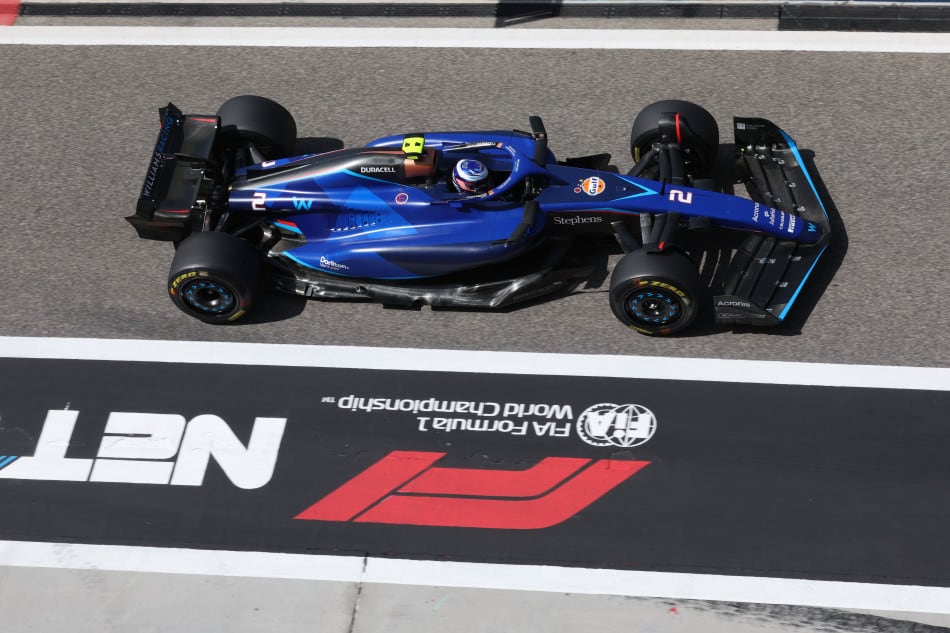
(302, 204)
(405, 488)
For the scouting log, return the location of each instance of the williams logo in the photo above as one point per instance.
(623, 425)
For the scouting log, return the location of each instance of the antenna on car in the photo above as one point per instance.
(540, 140)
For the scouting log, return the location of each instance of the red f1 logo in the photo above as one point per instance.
(405, 488)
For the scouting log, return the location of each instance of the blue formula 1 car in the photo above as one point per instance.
(481, 219)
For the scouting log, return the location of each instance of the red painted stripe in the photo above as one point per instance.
(533, 514)
(537, 480)
(287, 223)
(679, 137)
(203, 119)
(9, 12)
(376, 481)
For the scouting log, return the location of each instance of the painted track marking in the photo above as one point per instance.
(816, 593)
(344, 37)
(467, 361)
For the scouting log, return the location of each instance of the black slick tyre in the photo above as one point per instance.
(699, 133)
(214, 277)
(656, 294)
(265, 123)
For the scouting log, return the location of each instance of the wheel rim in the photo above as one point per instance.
(654, 307)
(208, 297)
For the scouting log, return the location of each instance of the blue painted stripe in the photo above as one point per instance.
(299, 261)
(6, 461)
(788, 305)
(801, 163)
(638, 195)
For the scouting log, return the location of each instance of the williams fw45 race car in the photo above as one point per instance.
(483, 219)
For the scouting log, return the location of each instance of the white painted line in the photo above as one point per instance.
(333, 37)
(180, 561)
(829, 594)
(470, 361)
(841, 595)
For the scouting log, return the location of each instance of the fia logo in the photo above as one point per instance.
(152, 448)
(623, 425)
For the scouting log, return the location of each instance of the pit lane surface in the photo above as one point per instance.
(74, 159)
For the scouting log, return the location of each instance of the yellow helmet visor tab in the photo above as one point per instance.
(413, 146)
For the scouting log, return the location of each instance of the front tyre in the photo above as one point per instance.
(655, 293)
(699, 135)
(214, 277)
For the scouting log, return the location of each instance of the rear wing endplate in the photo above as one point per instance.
(174, 181)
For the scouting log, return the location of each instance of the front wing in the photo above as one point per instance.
(767, 274)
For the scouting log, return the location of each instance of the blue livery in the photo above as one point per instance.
(387, 222)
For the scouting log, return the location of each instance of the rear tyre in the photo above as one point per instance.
(214, 277)
(265, 123)
(700, 139)
(655, 293)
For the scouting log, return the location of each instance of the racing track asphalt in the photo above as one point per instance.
(79, 124)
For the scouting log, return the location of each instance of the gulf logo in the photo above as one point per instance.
(593, 186)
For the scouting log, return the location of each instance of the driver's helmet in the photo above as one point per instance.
(470, 176)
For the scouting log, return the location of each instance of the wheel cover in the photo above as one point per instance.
(654, 307)
(205, 296)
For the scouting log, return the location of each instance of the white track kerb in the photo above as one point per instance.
(342, 37)
(469, 361)
(840, 595)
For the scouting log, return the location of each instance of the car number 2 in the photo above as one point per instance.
(685, 197)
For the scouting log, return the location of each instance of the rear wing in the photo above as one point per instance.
(175, 183)
(766, 273)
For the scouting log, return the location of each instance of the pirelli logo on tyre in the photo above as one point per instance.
(177, 281)
(670, 287)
